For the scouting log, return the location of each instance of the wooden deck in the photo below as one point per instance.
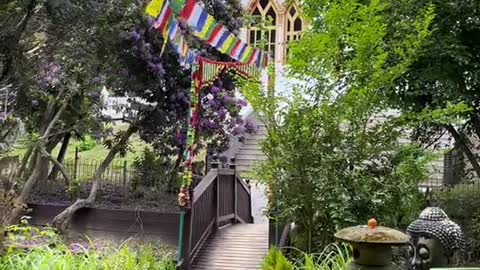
(237, 247)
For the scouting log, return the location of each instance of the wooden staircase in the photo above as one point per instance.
(235, 247)
(250, 152)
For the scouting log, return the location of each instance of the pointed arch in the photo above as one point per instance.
(294, 25)
(267, 10)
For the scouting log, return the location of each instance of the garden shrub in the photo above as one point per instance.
(153, 171)
(87, 143)
(333, 257)
(276, 261)
(462, 204)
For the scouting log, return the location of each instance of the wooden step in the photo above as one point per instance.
(250, 152)
(237, 247)
(260, 157)
(247, 162)
(256, 137)
(251, 146)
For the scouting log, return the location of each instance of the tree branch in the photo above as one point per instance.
(57, 163)
(464, 142)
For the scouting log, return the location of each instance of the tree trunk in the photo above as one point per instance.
(61, 157)
(45, 160)
(464, 142)
(21, 200)
(25, 160)
(61, 220)
(475, 120)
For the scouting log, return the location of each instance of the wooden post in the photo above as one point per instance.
(207, 160)
(235, 189)
(125, 176)
(75, 165)
(185, 235)
(215, 163)
(232, 163)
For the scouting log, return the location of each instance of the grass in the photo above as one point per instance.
(98, 153)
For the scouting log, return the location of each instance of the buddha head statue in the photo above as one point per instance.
(436, 239)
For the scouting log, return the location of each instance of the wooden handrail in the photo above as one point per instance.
(204, 184)
(244, 185)
(221, 197)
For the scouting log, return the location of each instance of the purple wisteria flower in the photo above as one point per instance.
(222, 114)
(242, 102)
(50, 75)
(237, 131)
(227, 99)
(156, 68)
(213, 104)
(215, 90)
(250, 128)
(181, 138)
(135, 36)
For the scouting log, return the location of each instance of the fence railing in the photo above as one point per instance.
(219, 199)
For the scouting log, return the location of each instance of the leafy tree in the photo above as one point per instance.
(74, 48)
(330, 164)
(445, 74)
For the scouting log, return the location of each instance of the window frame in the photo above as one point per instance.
(268, 30)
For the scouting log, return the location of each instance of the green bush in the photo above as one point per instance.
(276, 261)
(152, 171)
(87, 143)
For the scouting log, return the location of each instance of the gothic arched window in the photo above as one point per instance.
(294, 27)
(264, 10)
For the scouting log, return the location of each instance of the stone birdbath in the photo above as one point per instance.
(372, 245)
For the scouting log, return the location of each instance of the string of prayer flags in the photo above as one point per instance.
(169, 27)
(205, 28)
(218, 36)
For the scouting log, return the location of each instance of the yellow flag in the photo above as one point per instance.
(154, 8)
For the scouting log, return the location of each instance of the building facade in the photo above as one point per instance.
(283, 23)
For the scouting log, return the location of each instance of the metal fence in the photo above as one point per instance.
(118, 173)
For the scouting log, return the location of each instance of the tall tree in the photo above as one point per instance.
(446, 73)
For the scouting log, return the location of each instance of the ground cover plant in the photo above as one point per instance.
(333, 257)
(33, 248)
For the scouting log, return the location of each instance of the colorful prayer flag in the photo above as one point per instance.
(207, 29)
(227, 45)
(154, 8)
(161, 17)
(177, 5)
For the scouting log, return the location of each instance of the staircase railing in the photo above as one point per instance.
(221, 198)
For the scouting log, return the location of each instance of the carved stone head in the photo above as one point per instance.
(436, 239)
